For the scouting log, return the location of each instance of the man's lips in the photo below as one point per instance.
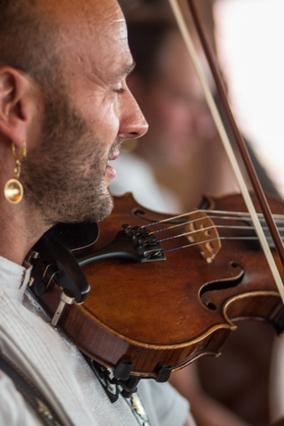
(110, 171)
(114, 156)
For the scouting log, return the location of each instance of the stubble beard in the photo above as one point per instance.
(63, 177)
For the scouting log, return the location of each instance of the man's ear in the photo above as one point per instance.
(16, 104)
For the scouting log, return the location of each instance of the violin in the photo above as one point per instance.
(159, 293)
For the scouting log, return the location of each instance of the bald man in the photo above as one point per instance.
(65, 109)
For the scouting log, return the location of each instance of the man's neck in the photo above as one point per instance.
(18, 232)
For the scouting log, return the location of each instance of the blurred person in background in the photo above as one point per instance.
(181, 129)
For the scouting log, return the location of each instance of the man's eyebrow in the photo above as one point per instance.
(127, 70)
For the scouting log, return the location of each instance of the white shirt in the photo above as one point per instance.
(59, 370)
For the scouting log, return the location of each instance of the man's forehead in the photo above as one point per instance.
(81, 12)
(94, 44)
(93, 26)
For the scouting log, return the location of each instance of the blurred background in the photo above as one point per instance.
(249, 38)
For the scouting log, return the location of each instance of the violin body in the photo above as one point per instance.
(147, 319)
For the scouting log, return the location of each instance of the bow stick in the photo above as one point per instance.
(226, 142)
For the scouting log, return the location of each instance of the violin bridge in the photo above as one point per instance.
(202, 231)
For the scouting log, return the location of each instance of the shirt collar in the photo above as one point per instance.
(14, 278)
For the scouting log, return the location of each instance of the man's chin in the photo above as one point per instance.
(105, 208)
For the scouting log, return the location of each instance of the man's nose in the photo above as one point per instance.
(133, 123)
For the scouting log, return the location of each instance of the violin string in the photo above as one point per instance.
(240, 214)
(189, 245)
(188, 222)
(169, 219)
(247, 227)
(241, 219)
(232, 216)
(176, 225)
(185, 234)
(213, 239)
(214, 214)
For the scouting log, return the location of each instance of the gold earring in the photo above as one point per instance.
(13, 190)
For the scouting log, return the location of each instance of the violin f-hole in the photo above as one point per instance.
(206, 293)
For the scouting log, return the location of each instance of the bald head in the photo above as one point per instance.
(33, 32)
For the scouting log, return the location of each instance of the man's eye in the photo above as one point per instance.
(120, 91)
